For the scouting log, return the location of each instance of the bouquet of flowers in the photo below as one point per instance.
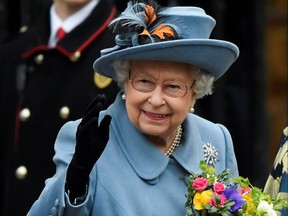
(212, 194)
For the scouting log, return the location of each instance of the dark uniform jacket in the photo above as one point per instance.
(41, 89)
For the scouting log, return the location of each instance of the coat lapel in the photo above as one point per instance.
(190, 152)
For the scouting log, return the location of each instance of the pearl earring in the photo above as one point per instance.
(124, 96)
(191, 110)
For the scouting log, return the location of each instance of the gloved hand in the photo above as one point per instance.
(91, 141)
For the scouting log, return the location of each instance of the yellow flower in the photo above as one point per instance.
(202, 198)
(250, 203)
(197, 201)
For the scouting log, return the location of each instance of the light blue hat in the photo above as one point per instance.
(180, 34)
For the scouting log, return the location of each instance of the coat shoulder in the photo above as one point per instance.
(208, 126)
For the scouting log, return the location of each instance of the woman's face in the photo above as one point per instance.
(154, 113)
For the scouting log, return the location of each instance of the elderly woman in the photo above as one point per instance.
(133, 158)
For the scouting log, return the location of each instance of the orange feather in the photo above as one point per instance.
(150, 14)
(145, 32)
(162, 29)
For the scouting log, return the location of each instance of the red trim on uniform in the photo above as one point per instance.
(99, 31)
(82, 47)
(34, 50)
(64, 51)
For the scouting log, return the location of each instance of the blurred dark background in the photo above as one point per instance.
(251, 99)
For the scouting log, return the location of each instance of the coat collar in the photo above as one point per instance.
(146, 159)
(86, 32)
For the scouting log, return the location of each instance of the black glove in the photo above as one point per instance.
(91, 141)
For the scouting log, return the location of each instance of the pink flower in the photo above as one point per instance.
(200, 184)
(244, 191)
(219, 187)
(221, 197)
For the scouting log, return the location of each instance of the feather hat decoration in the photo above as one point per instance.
(141, 24)
(147, 31)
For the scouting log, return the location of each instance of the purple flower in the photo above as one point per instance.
(232, 194)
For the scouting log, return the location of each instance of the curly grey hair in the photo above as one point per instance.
(203, 80)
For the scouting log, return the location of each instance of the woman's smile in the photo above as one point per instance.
(155, 116)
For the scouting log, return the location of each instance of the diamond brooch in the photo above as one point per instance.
(210, 153)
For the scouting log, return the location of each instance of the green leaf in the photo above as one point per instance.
(203, 166)
(226, 213)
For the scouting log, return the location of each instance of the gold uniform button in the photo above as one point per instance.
(39, 59)
(25, 114)
(75, 57)
(21, 172)
(64, 112)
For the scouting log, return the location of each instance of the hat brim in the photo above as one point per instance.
(214, 56)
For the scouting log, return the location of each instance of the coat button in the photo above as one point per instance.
(21, 172)
(75, 57)
(25, 114)
(64, 112)
(23, 29)
(39, 59)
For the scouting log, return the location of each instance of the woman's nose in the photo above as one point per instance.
(157, 96)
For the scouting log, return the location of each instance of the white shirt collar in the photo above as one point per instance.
(70, 23)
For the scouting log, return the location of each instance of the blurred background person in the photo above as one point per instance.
(277, 181)
(47, 79)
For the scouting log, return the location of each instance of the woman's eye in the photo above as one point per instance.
(145, 82)
(172, 86)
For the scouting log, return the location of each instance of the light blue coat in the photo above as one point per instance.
(133, 177)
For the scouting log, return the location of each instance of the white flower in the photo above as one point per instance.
(264, 206)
